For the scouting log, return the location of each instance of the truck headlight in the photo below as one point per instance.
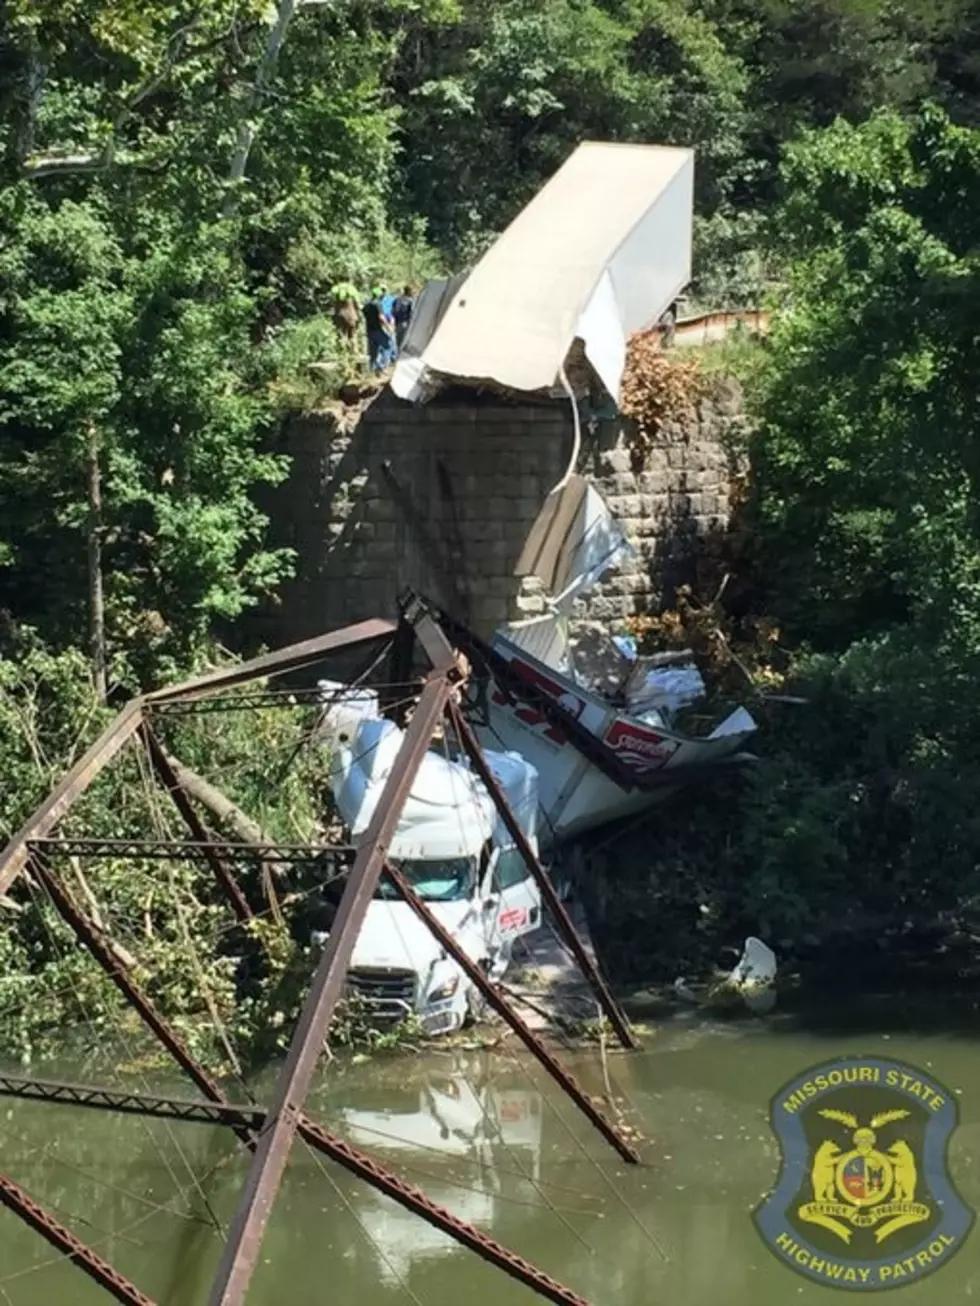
(445, 990)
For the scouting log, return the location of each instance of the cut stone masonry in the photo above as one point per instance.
(441, 497)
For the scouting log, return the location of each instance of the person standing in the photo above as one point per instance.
(402, 313)
(346, 313)
(387, 314)
(378, 328)
(668, 325)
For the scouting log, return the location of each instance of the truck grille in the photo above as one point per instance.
(390, 992)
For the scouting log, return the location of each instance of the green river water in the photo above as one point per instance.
(485, 1135)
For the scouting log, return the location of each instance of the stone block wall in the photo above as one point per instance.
(441, 498)
(672, 497)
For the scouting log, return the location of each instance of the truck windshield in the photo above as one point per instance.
(448, 880)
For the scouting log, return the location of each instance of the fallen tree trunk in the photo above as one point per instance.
(221, 807)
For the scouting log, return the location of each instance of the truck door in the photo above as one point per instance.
(512, 902)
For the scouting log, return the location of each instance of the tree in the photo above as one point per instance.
(493, 104)
(868, 459)
(139, 359)
(810, 64)
(61, 310)
(142, 333)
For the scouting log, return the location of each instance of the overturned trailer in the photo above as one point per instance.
(623, 759)
(548, 312)
(598, 722)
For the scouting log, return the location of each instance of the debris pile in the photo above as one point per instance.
(752, 982)
(656, 388)
(652, 688)
(732, 656)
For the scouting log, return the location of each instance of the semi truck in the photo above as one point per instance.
(456, 853)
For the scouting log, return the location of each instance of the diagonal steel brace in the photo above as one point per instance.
(563, 921)
(527, 1036)
(336, 1149)
(245, 1237)
(16, 1199)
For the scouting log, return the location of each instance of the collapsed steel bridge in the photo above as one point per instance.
(268, 1132)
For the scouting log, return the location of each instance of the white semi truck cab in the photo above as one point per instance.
(455, 851)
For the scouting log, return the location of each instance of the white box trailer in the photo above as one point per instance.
(575, 793)
(601, 251)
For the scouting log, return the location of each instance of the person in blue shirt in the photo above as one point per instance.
(380, 330)
(388, 313)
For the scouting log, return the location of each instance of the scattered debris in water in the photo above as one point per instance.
(754, 977)
(752, 981)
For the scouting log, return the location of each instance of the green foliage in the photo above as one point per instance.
(232, 992)
(493, 106)
(865, 462)
(731, 269)
(48, 716)
(865, 506)
(182, 203)
(149, 350)
(851, 847)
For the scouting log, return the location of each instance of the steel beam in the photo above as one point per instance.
(178, 849)
(498, 668)
(554, 904)
(187, 849)
(428, 630)
(14, 856)
(15, 1199)
(245, 1237)
(95, 1097)
(434, 641)
(168, 778)
(90, 935)
(245, 1120)
(527, 1036)
(336, 1149)
(269, 1134)
(400, 662)
(299, 697)
(290, 658)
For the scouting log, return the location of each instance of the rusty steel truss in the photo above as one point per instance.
(268, 1132)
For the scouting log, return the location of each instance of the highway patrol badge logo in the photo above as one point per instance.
(864, 1199)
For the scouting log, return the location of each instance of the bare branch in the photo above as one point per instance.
(57, 165)
(62, 165)
(220, 806)
(267, 64)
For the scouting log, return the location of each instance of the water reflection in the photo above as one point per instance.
(484, 1135)
(459, 1115)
